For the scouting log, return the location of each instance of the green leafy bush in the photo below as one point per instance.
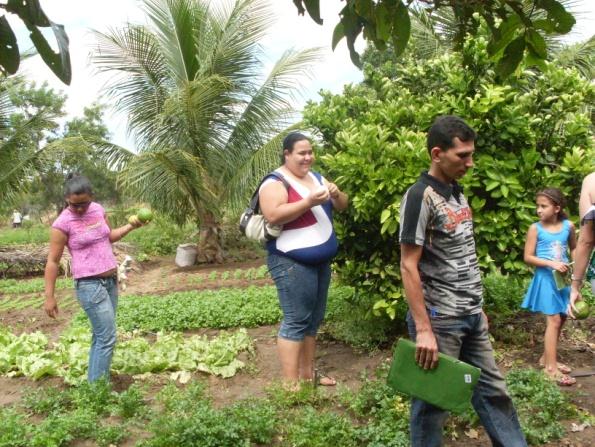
(160, 237)
(503, 294)
(534, 130)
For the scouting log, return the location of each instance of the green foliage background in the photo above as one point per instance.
(534, 130)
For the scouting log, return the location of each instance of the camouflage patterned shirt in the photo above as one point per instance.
(437, 217)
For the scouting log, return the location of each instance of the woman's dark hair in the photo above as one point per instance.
(77, 184)
(289, 142)
(445, 129)
(555, 196)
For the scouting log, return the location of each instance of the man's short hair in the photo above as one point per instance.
(445, 129)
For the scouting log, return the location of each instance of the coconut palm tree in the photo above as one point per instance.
(206, 121)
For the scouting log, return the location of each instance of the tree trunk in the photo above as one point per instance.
(210, 249)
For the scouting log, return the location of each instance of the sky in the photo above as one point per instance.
(289, 31)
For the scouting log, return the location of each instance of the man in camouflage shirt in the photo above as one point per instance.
(442, 283)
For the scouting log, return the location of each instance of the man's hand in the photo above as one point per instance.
(575, 295)
(426, 350)
(51, 307)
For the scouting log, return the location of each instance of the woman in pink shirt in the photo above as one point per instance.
(83, 228)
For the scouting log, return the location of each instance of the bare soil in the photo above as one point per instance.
(335, 358)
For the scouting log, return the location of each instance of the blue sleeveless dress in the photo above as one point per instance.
(543, 295)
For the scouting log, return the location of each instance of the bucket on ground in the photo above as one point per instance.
(186, 255)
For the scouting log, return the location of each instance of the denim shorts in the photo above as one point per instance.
(302, 291)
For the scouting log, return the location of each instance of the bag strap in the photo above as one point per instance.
(254, 205)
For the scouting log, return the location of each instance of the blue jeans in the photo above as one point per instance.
(99, 298)
(302, 291)
(466, 338)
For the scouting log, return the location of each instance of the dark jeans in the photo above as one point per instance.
(302, 291)
(466, 338)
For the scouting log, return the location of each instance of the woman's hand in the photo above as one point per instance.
(51, 307)
(333, 190)
(135, 222)
(318, 196)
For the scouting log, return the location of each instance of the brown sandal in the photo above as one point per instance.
(561, 379)
(322, 379)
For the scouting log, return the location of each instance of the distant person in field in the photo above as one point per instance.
(299, 260)
(583, 270)
(83, 227)
(443, 287)
(17, 219)
(547, 247)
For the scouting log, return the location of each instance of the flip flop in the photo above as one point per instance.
(563, 368)
(561, 379)
(322, 379)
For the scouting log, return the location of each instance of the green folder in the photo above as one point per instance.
(563, 279)
(448, 386)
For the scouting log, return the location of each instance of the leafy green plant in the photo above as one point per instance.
(311, 428)
(46, 400)
(261, 272)
(213, 275)
(386, 414)
(540, 404)
(220, 309)
(15, 286)
(14, 429)
(110, 435)
(503, 294)
(191, 420)
(30, 355)
(238, 274)
(131, 403)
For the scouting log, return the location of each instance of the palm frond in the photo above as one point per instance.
(580, 56)
(176, 23)
(269, 109)
(139, 77)
(173, 181)
(245, 179)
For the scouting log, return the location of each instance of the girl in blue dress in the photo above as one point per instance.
(546, 248)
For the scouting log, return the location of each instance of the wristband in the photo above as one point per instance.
(574, 278)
